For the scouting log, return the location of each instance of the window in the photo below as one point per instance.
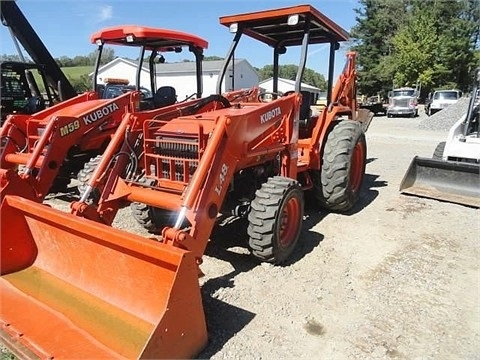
(404, 92)
(446, 95)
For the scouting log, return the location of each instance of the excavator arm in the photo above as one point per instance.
(344, 93)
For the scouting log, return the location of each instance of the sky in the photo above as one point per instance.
(65, 26)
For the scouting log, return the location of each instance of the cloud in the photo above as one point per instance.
(104, 13)
(320, 48)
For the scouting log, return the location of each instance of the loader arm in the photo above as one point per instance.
(50, 139)
(123, 152)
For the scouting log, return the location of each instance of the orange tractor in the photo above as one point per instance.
(88, 290)
(43, 151)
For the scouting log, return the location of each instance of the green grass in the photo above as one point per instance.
(77, 71)
(6, 354)
(72, 74)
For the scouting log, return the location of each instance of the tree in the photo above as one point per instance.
(401, 42)
(415, 48)
(212, 58)
(81, 84)
(377, 22)
(437, 45)
(108, 54)
(6, 57)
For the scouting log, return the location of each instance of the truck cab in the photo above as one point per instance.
(441, 99)
(403, 102)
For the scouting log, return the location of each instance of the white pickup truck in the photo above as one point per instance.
(441, 99)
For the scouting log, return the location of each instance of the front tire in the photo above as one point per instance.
(338, 183)
(275, 219)
(151, 218)
(84, 176)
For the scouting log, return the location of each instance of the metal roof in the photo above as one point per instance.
(189, 66)
(272, 28)
(176, 67)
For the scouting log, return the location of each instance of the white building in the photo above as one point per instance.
(182, 75)
(285, 85)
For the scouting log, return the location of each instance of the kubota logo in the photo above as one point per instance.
(100, 113)
(269, 115)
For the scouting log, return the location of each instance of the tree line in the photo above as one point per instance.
(432, 43)
(108, 54)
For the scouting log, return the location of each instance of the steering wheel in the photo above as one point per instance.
(214, 97)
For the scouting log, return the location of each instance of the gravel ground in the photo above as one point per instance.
(445, 118)
(397, 278)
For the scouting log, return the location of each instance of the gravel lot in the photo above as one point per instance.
(398, 278)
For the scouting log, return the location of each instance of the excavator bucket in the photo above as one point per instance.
(449, 181)
(72, 288)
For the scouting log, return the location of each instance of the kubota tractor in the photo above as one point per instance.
(88, 290)
(43, 151)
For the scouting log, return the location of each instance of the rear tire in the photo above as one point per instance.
(438, 152)
(275, 219)
(338, 183)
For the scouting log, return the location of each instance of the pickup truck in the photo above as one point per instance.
(441, 99)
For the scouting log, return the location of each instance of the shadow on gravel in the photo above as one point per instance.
(68, 195)
(225, 320)
(308, 240)
(368, 195)
(369, 160)
(234, 235)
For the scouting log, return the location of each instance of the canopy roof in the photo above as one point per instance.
(147, 36)
(272, 28)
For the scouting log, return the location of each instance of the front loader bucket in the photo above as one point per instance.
(449, 181)
(72, 288)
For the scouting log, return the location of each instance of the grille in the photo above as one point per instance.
(173, 159)
(177, 148)
(401, 102)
